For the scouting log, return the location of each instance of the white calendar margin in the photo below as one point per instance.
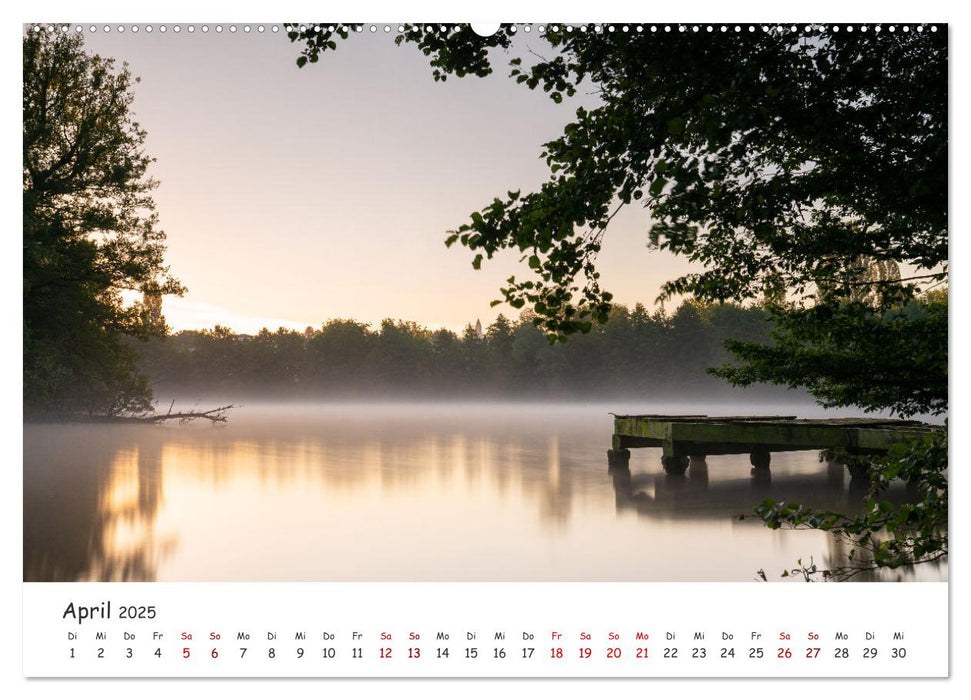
(205, 622)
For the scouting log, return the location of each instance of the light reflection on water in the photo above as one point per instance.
(404, 492)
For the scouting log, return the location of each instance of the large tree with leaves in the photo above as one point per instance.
(804, 168)
(90, 232)
(797, 166)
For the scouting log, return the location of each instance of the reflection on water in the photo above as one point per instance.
(403, 492)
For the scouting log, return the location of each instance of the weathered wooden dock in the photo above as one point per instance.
(685, 437)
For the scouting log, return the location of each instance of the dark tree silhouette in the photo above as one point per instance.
(796, 166)
(803, 167)
(90, 233)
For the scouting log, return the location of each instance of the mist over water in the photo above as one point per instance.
(412, 492)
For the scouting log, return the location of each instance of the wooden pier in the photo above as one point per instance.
(686, 437)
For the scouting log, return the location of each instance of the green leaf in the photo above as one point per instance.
(676, 126)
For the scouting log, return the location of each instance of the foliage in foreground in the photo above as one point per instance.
(885, 535)
(801, 167)
(804, 166)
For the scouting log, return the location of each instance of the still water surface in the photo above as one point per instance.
(398, 492)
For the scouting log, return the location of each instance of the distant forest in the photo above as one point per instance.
(636, 353)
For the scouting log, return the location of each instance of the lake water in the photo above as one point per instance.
(408, 492)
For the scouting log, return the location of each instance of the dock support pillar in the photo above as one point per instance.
(674, 466)
(859, 468)
(760, 460)
(618, 458)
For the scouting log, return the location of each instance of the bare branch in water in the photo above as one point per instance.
(215, 415)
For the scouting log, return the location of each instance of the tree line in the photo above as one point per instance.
(636, 352)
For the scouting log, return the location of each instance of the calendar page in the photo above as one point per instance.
(612, 348)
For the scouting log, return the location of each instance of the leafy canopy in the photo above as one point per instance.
(777, 159)
(90, 231)
(802, 169)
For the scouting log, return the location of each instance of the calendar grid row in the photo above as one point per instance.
(475, 630)
(551, 648)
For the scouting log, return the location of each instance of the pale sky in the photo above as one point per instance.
(292, 196)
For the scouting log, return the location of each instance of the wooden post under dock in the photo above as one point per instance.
(684, 437)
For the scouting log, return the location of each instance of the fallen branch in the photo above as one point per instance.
(216, 415)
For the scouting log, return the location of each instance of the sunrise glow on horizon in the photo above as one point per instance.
(293, 196)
